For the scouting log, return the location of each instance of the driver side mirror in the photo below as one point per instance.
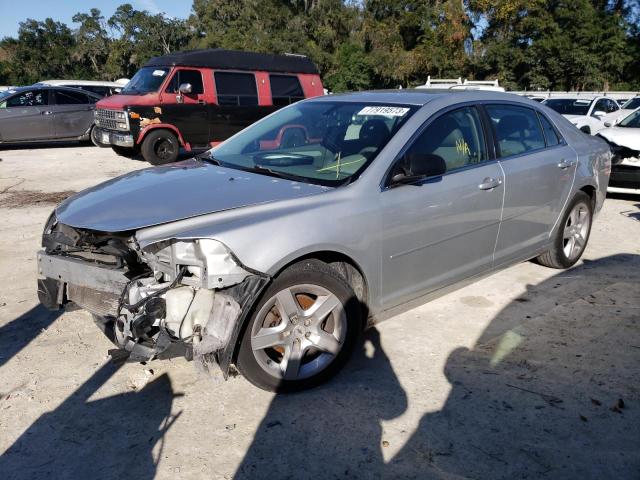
(418, 166)
(185, 88)
(598, 114)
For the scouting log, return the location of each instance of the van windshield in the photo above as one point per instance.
(320, 142)
(146, 80)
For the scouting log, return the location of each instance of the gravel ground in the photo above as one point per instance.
(530, 373)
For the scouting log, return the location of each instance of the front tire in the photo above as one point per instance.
(302, 330)
(572, 235)
(160, 147)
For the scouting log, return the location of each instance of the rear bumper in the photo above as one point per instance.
(107, 138)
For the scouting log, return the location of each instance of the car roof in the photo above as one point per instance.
(576, 97)
(49, 87)
(236, 60)
(70, 83)
(421, 97)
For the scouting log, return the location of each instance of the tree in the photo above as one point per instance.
(91, 42)
(41, 51)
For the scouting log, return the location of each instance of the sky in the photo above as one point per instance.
(12, 12)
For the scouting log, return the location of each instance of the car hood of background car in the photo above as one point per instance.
(164, 194)
(622, 136)
(573, 117)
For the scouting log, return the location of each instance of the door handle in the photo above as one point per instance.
(564, 164)
(490, 183)
(46, 112)
(201, 102)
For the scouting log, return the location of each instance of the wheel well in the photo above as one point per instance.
(591, 191)
(346, 267)
(145, 132)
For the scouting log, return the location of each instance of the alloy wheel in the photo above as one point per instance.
(298, 332)
(576, 230)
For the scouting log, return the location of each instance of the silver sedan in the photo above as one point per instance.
(272, 251)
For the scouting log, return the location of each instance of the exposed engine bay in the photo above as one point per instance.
(193, 292)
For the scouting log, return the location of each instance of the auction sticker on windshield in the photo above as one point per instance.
(158, 73)
(385, 111)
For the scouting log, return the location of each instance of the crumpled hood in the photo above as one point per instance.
(622, 136)
(173, 192)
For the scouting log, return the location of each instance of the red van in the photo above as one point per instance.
(197, 98)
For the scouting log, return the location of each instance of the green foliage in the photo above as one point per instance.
(357, 44)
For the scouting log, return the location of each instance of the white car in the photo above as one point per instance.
(589, 114)
(625, 109)
(624, 140)
(101, 88)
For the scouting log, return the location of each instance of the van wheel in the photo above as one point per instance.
(126, 152)
(302, 330)
(160, 147)
(572, 234)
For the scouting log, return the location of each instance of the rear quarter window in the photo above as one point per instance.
(550, 134)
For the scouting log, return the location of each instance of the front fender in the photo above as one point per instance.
(166, 126)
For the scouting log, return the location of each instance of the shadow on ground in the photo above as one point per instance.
(551, 390)
(108, 438)
(38, 145)
(19, 333)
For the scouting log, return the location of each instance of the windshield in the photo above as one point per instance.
(327, 143)
(569, 106)
(632, 121)
(632, 104)
(148, 79)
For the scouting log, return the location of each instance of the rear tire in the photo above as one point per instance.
(160, 147)
(93, 137)
(572, 235)
(302, 331)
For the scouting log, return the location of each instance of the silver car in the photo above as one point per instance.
(45, 114)
(272, 251)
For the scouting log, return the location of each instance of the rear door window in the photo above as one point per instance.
(68, 97)
(285, 89)
(550, 134)
(457, 137)
(517, 129)
(235, 88)
(30, 98)
(192, 77)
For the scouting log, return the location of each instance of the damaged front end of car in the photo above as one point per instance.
(187, 291)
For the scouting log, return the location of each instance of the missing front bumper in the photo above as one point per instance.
(100, 290)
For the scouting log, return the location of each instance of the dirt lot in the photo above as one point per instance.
(531, 373)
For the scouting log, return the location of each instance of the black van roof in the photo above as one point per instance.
(236, 60)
